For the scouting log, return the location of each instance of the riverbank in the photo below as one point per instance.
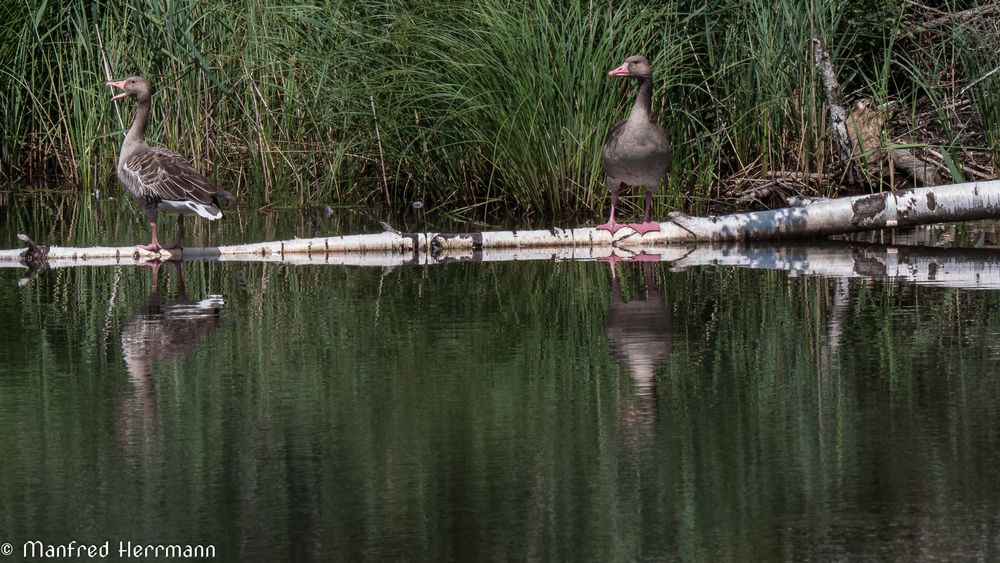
(487, 109)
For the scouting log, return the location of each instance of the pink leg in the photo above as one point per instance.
(612, 261)
(155, 265)
(153, 246)
(646, 225)
(611, 226)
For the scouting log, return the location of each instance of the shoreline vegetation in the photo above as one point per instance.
(490, 108)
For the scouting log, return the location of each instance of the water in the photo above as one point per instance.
(504, 411)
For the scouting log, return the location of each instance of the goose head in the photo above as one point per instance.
(635, 66)
(136, 87)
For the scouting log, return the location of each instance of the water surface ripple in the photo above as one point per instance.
(502, 411)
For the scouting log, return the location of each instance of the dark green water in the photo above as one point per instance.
(506, 411)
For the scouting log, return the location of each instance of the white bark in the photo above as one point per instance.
(937, 204)
(959, 267)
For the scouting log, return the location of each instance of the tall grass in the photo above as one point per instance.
(516, 111)
(484, 108)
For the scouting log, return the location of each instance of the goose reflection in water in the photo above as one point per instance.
(640, 334)
(160, 331)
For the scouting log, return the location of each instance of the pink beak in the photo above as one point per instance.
(620, 71)
(121, 86)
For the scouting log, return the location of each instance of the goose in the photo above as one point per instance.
(160, 179)
(636, 150)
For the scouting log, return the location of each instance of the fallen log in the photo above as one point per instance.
(970, 268)
(937, 204)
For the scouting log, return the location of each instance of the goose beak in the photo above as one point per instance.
(121, 86)
(620, 71)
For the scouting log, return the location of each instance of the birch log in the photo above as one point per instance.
(937, 204)
(973, 268)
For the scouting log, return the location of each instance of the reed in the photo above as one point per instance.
(485, 109)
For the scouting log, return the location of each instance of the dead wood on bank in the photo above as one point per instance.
(883, 146)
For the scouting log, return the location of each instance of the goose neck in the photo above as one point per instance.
(642, 108)
(137, 133)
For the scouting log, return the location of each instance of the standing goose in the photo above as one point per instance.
(157, 178)
(636, 150)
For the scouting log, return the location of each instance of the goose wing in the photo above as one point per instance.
(165, 175)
